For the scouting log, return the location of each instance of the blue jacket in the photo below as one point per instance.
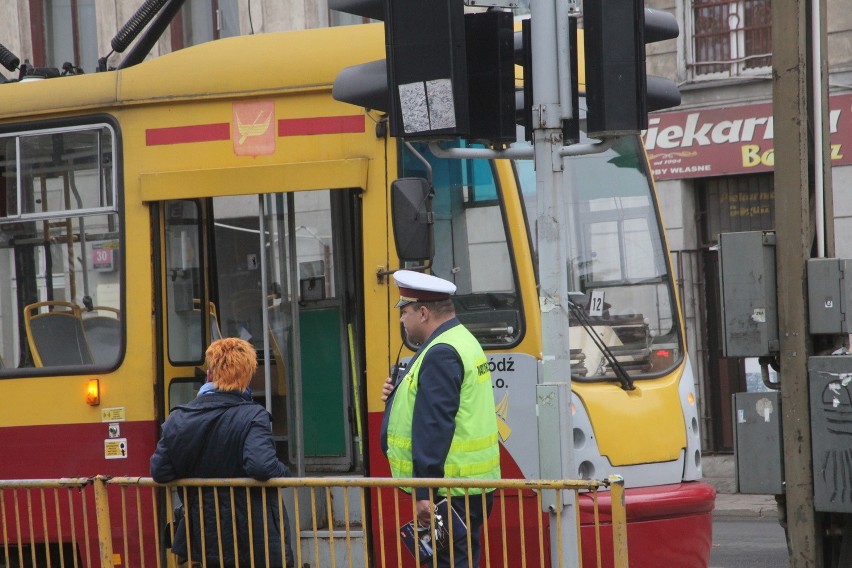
(221, 435)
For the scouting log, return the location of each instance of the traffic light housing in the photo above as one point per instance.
(447, 74)
(490, 45)
(425, 67)
(619, 95)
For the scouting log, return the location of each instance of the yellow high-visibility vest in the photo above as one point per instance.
(474, 451)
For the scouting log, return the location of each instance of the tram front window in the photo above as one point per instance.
(619, 280)
(59, 242)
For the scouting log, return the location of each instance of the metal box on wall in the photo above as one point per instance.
(749, 297)
(758, 443)
(830, 380)
(830, 295)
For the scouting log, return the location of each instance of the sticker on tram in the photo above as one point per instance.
(113, 414)
(115, 449)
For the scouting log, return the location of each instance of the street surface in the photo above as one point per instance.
(748, 544)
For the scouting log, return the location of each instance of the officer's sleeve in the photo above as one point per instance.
(435, 408)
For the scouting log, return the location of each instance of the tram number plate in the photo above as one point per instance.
(596, 305)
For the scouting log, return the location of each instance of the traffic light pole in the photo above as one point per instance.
(551, 77)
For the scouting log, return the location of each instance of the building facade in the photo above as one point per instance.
(713, 161)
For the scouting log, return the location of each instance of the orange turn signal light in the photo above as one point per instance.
(93, 392)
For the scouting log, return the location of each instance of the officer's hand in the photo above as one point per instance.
(424, 512)
(387, 388)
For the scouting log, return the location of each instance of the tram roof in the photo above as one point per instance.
(254, 65)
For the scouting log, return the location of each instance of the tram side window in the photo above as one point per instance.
(60, 243)
(472, 245)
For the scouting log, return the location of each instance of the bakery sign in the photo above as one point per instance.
(731, 140)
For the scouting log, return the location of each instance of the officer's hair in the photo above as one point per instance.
(231, 363)
(438, 307)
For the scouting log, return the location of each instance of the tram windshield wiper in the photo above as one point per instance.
(619, 371)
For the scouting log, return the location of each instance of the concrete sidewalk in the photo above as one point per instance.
(746, 507)
(719, 472)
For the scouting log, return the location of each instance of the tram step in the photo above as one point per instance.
(338, 534)
(316, 549)
(338, 505)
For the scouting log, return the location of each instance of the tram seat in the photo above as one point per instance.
(103, 332)
(280, 378)
(215, 331)
(56, 336)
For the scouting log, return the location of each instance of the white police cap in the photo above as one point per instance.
(419, 287)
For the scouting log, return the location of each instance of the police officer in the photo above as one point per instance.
(440, 419)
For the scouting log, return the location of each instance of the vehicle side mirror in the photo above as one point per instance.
(411, 203)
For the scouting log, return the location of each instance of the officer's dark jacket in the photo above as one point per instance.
(222, 435)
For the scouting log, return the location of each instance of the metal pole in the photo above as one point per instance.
(550, 78)
(794, 186)
(102, 514)
(297, 456)
(263, 258)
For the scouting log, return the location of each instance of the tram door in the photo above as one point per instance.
(280, 271)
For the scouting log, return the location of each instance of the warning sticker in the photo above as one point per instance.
(115, 449)
(112, 414)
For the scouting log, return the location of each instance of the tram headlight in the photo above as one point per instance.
(93, 392)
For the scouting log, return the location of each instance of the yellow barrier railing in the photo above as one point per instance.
(332, 522)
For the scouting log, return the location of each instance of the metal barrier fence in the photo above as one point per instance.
(130, 521)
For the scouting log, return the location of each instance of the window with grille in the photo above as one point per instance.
(200, 21)
(64, 31)
(737, 203)
(731, 38)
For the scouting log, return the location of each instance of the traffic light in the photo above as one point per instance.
(447, 74)
(426, 66)
(524, 95)
(618, 93)
(490, 45)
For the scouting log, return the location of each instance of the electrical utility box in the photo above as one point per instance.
(830, 380)
(830, 295)
(758, 443)
(749, 296)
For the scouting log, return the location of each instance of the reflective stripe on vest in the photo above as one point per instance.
(474, 451)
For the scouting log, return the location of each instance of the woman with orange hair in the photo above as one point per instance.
(224, 435)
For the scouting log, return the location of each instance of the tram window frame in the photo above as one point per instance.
(472, 308)
(77, 179)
